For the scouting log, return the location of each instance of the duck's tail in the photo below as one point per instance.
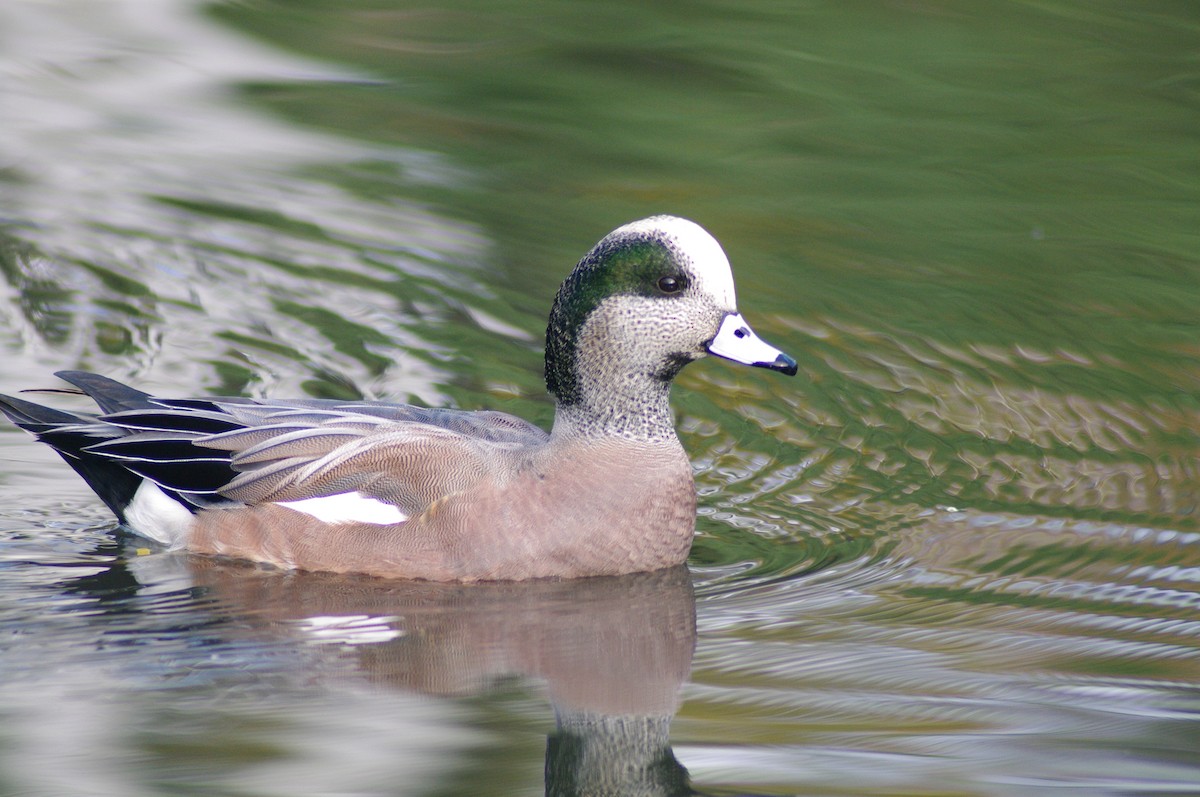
(85, 441)
(70, 434)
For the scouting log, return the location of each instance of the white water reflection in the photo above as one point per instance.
(89, 733)
(128, 162)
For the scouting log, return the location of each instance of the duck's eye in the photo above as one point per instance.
(672, 283)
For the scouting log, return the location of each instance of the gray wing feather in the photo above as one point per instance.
(407, 464)
(306, 443)
(484, 425)
(245, 439)
(264, 482)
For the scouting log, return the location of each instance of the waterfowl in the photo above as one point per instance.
(395, 490)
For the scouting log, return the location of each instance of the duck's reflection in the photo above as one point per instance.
(613, 653)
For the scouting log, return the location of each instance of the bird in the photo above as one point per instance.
(401, 491)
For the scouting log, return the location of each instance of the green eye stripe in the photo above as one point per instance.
(630, 266)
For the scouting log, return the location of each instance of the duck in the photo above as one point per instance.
(402, 491)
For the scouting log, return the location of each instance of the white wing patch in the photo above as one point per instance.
(156, 516)
(348, 508)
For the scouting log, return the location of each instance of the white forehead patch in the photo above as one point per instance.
(709, 265)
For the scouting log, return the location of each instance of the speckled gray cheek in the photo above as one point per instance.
(623, 265)
(627, 352)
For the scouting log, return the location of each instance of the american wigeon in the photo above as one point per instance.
(401, 491)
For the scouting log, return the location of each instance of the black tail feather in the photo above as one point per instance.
(156, 418)
(96, 448)
(69, 434)
(109, 394)
(115, 485)
(34, 417)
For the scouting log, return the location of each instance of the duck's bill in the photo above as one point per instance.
(736, 341)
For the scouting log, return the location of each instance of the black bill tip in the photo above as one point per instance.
(783, 364)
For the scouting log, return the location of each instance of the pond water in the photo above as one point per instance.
(959, 554)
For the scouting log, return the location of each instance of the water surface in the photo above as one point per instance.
(959, 554)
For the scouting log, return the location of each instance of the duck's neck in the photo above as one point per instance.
(642, 414)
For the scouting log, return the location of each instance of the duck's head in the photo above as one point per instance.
(648, 299)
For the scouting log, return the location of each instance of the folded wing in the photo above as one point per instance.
(226, 452)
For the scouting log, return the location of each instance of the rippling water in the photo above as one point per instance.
(959, 554)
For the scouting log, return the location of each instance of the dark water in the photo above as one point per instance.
(958, 555)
